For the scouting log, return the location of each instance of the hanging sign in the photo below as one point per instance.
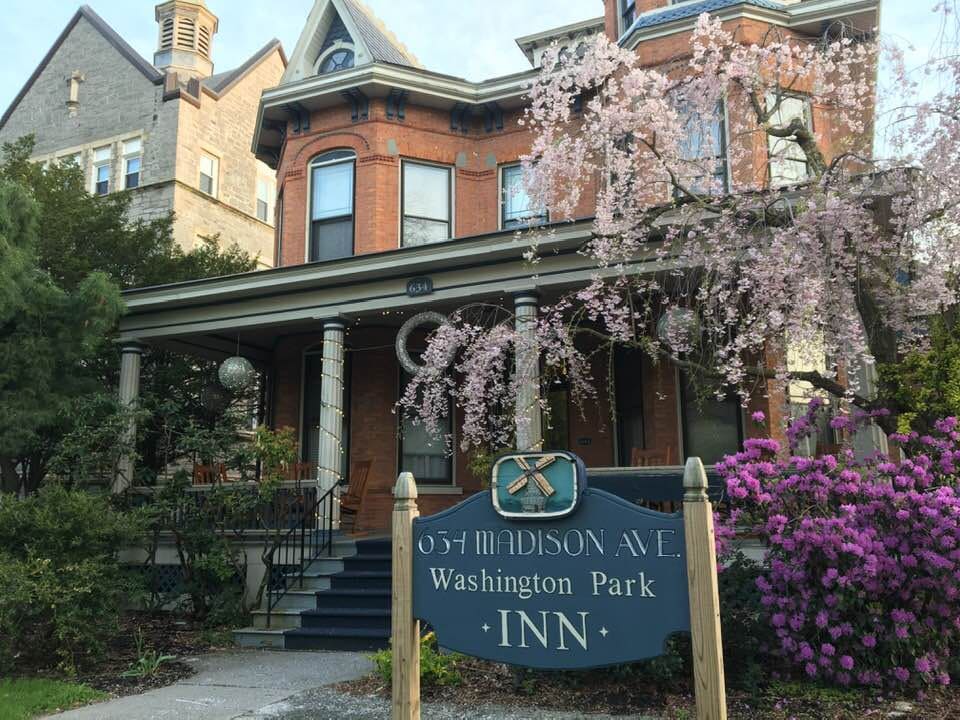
(544, 572)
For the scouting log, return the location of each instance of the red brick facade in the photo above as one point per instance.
(381, 143)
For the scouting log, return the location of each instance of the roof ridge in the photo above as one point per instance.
(227, 79)
(390, 36)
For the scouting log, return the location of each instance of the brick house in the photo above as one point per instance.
(394, 198)
(172, 132)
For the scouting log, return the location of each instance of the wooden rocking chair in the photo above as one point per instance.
(651, 458)
(209, 474)
(352, 499)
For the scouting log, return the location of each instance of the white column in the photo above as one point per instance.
(528, 410)
(129, 394)
(870, 438)
(331, 405)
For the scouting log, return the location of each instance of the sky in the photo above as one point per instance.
(473, 39)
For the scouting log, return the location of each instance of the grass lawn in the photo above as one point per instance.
(25, 699)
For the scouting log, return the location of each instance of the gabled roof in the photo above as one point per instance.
(382, 44)
(332, 22)
(224, 82)
(109, 34)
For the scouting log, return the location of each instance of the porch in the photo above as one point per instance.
(323, 338)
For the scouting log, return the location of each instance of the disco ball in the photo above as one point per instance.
(236, 373)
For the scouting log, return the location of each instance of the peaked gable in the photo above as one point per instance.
(344, 24)
(110, 35)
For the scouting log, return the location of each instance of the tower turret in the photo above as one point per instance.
(185, 47)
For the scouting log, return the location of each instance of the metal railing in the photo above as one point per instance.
(298, 547)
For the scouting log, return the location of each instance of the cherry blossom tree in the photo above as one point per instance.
(732, 235)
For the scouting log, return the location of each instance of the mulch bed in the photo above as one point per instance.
(605, 692)
(165, 633)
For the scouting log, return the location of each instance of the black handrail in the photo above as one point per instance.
(299, 546)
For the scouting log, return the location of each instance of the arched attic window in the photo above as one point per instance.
(340, 57)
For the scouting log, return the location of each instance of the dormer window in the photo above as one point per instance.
(341, 58)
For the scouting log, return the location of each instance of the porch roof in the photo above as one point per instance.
(210, 313)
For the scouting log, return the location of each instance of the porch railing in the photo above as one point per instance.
(308, 540)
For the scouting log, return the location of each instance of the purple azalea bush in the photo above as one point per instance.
(862, 580)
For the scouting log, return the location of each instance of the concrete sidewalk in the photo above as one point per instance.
(231, 685)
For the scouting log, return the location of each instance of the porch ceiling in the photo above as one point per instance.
(208, 316)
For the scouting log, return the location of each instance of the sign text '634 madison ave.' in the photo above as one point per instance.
(543, 572)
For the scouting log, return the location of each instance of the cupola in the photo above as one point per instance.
(185, 47)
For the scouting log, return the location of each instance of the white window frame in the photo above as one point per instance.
(102, 163)
(311, 166)
(452, 204)
(622, 7)
(215, 189)
(535, 220)
(771, 141)
(130, 156)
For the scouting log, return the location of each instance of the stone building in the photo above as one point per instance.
(399, 192)
(173, 133)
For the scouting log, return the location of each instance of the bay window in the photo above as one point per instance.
(703, 152)
(427, 207)
(788, 163)
(331, 205)
(628, 13)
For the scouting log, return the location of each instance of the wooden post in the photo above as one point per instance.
(405, 634)
(704, 598)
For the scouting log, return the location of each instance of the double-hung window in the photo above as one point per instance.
(331, 205)
(265, 191)
(788, 162)
(102, 164)
(427, 206)
(209, 174)
(132, 162)
(703, 152)
(516, 209)
(628, 13)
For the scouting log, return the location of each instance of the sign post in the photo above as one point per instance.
(405, 629)
(708, 680)
(545, 572)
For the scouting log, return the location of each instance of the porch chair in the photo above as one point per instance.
(352, 499)
(209, 474)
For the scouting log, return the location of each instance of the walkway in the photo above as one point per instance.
(232, 685)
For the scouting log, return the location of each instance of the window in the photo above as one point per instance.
(422, 454)
(426, 204)
(209, 174)
(515, 210)
(265, 191)
(313, 403)
(556, 423)
(341, 59)
(102, 159)
(630, 366)
(132, 161)
(712, 428)
(704, 152)
(331, 205)
(628, 13)
(788, 163)
(73, 159)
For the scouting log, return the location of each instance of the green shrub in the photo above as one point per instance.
(436, 668)
(746, 633)
(61, 583)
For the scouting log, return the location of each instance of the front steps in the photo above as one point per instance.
(344, 604)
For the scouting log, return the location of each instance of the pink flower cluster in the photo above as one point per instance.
(863, 559)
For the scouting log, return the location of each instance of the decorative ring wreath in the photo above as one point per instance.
(403, 336)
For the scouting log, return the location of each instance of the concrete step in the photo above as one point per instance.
(280, 619)
(251, 637)
(312, 581)
(347, 618)
(326, 565)
(362, 579)
(297, 599)
(336, 639)
(375, 598)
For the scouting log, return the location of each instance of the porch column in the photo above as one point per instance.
(129, 394)
(528, 411)
(870, 438)
(331, 405)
